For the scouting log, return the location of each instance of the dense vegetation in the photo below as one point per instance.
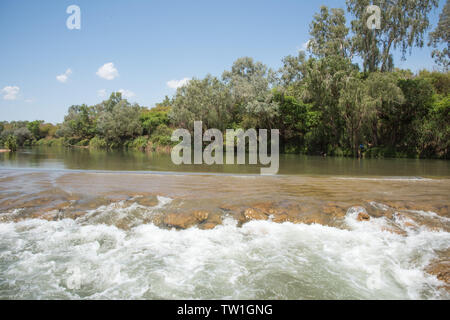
(321, 100)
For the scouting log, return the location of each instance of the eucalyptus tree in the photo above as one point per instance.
(355, 109)
(324, 80)
(293, 70)
(250, 84)
(441, 36)
(207, 100)
(385, 96)
(414, 111)
(324, 73)
(403, 26)
(329, 34)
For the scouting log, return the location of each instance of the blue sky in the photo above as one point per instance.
(149, 43)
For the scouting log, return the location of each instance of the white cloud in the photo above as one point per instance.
(108, 71)
(101, 93)
(175, 84)
(63, 77)
(126, 94)
(29, 100)
(10, 92)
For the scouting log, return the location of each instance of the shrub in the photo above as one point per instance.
(140, 143)
(98, 143)
(11, 143)
(162, 136)
(59, 142)
(83, 143)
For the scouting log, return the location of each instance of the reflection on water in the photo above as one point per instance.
(85, 159)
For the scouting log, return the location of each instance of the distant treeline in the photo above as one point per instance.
(321, 101)
(114, 123)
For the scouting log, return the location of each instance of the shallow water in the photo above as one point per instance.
(104, 235)
(85, 159)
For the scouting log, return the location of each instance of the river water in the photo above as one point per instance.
(82, 224)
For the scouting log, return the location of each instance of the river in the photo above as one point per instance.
(84, 224)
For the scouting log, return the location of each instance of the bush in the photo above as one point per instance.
(98, 143)
(153, 118)
(140, 143)
(83, 143)
(49, 142)
(337, 152)
(11, 143)
(162, 136)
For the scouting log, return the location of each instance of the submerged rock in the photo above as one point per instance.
(441, 270)
(147, 201)
(280, 218)
(255, 214)
(310, 218)
(363, 216)
(208, 226)
(334, 210)
(201, 215)
(214, 218)
(186, 220)
(180, 220)
(442, 210)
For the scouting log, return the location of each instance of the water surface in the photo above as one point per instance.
(81, 224)
(85, 159)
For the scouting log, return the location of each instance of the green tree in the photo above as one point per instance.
(440, 80)
(206, 100)
(292, 121)
(79, 123)
(11, 143)
(323, 82)
(329, 34)
(292, 72)
(387, 99)
(441, 36)
(35, 129)
(23, 136)
(355, 109)
(250, 85)
(403, 26)
(151, 119)
(120, 122)
(418, 103)
(435, 130)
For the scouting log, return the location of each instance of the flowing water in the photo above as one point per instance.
(80, 224)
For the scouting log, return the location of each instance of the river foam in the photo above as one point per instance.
(82, 259)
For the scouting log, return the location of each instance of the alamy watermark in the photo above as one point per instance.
(374, 20)
(74, 20)
(213, 153)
